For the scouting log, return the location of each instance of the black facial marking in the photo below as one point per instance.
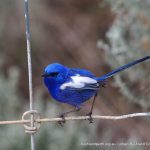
(53, 74)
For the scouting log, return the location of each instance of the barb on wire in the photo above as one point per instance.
(43, 120)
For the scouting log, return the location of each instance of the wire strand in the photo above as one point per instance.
(127, 116)
(29, 54)
(43, 120)
(29, 66)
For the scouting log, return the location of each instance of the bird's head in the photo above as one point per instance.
(54, 73)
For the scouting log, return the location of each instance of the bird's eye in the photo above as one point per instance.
(54, 74)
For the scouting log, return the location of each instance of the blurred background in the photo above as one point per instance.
(99, 35)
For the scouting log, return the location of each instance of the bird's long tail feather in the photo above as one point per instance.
(108, 75)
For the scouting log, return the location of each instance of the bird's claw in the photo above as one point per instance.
(61, 122)
(90, 117)
(103, 84)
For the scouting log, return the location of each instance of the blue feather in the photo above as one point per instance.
(122, 68)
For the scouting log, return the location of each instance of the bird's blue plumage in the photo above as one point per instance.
(75, 86)
(72, 96)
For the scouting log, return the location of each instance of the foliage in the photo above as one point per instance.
(128, 39)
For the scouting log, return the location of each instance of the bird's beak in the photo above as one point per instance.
(44, 75)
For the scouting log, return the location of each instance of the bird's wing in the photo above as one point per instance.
(79, 82)
(82, 72)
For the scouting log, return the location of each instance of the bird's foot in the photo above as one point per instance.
(103, 83)
(90, 117)
(61, 122)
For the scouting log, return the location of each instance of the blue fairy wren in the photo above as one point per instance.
(74, 86)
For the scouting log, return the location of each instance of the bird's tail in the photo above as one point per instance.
(108, 75)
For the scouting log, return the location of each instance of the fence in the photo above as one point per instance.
(31, 119)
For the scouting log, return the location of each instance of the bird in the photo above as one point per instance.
(74, 86)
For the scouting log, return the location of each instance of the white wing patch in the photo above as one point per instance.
(78, 82)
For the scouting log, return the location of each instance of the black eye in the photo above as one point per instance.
(54, 74)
